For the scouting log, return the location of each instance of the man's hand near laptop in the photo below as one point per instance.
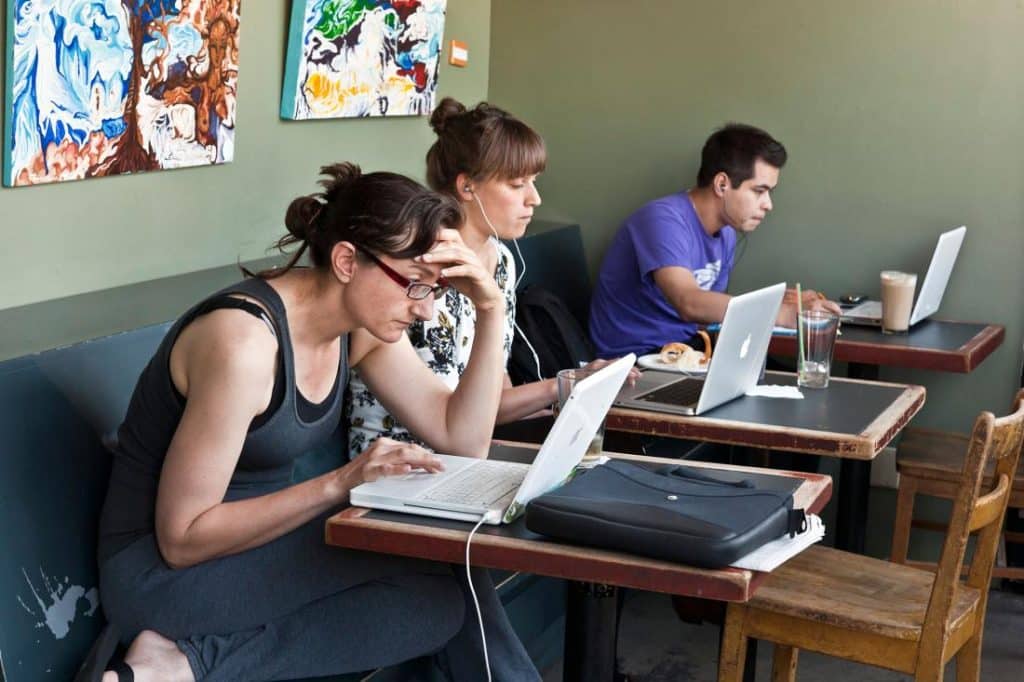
(708, 307)
(809, 300)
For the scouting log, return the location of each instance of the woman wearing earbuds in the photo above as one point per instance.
(488, 161)
(211, 559)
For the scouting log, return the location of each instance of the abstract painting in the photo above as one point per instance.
(362, 58)
(104, 87)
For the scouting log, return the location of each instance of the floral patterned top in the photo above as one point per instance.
(443, 343)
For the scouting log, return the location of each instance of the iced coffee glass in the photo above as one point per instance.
(567, 379)
(897, 300)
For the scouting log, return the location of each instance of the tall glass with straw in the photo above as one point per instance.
(816, 336)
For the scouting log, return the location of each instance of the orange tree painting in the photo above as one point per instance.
(104, 87)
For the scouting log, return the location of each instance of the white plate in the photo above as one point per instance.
(653, 361)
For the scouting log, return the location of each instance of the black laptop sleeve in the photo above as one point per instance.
(675, 513)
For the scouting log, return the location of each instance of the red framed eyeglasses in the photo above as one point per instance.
(417, 291)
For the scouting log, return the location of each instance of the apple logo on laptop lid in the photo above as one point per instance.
(745, 347)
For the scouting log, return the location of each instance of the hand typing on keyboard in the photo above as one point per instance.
(417, 474)
(482, 483)
(386, 457)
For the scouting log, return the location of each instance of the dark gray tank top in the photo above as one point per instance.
(275, 439)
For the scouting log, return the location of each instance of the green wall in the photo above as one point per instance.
(901, 118)
(66, 239)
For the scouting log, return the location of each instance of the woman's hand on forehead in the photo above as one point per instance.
(448, 247)
(447, 235)
(463, 269)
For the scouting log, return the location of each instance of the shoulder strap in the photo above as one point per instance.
(222, 301)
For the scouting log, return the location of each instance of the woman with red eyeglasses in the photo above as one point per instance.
(212, 561)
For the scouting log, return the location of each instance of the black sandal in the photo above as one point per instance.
(100, 656)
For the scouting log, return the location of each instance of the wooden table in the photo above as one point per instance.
(851, 419)
(940, 345)
(514, 548)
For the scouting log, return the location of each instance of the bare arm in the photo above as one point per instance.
(519, 402)
(457, 422)
(692, 303)
(226, 368)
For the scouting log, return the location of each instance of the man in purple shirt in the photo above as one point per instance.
(668, 266)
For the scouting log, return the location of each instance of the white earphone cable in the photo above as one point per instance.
(476, 602)
(522, 273)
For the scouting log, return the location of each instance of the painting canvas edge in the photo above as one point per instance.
(289, 88)
(8, 181)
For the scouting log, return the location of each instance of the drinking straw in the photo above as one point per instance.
(799, 327)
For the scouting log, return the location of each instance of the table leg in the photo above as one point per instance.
(591, 617)
(750, 660)
(854, 485)
(852, 505)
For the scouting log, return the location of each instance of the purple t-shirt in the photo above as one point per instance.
(628, 312)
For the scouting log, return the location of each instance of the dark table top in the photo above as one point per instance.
(851, 418)
(942, 345)
(513, 547)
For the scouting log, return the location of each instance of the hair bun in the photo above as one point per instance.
(339, 175)
(448, 108)
(301, 216)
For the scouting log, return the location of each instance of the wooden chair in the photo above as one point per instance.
(884, 614)
(930, 463)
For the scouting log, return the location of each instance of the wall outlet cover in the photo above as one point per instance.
(458, 53)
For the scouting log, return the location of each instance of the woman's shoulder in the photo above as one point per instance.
(231, 337)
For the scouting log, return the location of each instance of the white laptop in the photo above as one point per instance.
(929, 294)
(470, 488)
(735, 365)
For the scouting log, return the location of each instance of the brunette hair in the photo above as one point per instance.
(383, 213)
(733, 149)
(484, 142)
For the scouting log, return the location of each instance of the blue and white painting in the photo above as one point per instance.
(104, 87)
(362, 58)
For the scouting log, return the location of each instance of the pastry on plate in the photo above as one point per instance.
(685, 357)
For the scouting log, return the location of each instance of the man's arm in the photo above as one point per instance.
(692, 304)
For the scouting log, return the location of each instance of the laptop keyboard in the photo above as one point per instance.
(683, 393)
(481, 484)
(872, 309)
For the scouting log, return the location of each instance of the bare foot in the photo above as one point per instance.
(154, 657)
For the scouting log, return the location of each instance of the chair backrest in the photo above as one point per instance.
(975, 511)
(555, 260)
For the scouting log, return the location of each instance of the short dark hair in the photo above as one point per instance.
(733, 149)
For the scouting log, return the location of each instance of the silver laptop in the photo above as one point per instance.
(929, 295)
(735, 365)
(470, 488)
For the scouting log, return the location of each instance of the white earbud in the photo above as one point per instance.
(522, 273)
